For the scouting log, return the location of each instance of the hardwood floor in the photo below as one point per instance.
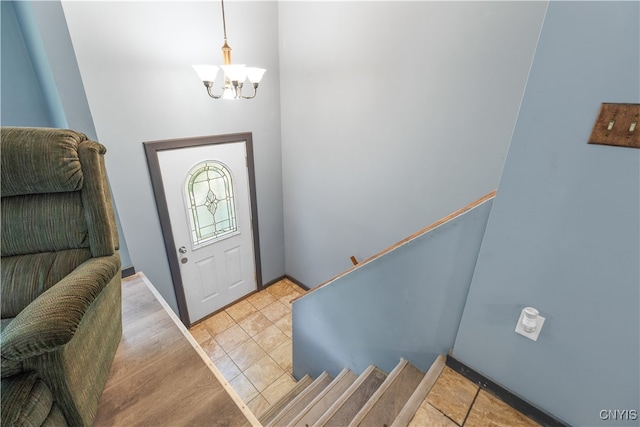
(160, 375)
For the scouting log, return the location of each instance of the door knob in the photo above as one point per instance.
(182, 250)
(184, 260)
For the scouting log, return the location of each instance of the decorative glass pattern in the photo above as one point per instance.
(209, 193)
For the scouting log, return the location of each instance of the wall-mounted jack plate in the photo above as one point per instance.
(530, 323)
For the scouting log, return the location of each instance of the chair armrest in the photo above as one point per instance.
(52, 319)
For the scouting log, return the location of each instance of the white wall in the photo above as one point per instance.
(135, 60)
(564, 234)
(394, 115)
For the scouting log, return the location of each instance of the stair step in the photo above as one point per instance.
(301, 401)
(275, 409)
(309, 415)
(389, 399)
(353, 399)
(408, 412)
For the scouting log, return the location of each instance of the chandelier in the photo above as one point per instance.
(234, 74)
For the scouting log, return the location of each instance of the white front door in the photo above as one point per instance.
(208, 201)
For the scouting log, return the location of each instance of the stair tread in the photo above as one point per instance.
(309, 415)
(275, 409)
(352, 400)
(411, 407)
(389, 399)
(294, 407)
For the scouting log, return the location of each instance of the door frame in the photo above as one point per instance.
(151, 149)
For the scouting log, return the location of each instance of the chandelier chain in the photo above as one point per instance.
(224, 23)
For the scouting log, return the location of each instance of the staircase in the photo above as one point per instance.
(372, 398)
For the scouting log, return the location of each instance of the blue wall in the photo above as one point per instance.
(407, 303)
(41, 89)
(564, 233)
(22, 101)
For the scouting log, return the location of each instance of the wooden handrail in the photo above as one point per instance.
(408, 239)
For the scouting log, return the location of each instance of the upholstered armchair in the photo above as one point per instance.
(60, 272)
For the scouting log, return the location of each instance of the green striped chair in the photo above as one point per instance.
(60, 277)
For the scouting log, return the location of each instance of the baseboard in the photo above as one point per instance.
(289, 278)
(264, 286)
(273, 282)
(505, 395)
(129, 271)
(297, 282)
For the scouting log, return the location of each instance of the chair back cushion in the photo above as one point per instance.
(40, 160)
(56, 210)
(43, 223)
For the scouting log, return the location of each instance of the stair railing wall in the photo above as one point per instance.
(407, 302)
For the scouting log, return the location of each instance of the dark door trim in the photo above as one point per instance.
(151, 150)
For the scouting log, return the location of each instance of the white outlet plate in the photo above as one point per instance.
(531, 335)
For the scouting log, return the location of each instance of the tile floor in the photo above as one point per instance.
(456, 401)
(250, 343)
